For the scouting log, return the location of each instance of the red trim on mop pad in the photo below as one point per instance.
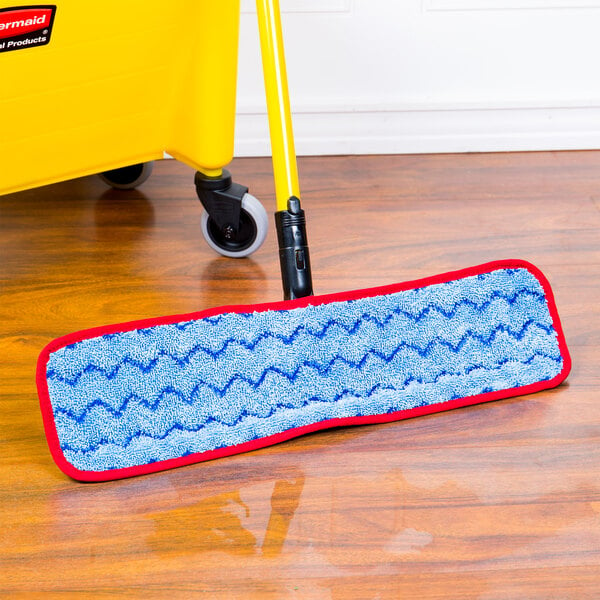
(71, 471)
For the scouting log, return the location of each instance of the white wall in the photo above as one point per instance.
(404, 76)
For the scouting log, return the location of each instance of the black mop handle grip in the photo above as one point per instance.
(294, 257)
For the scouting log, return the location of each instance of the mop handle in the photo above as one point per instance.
(290, 220)
(285, 168)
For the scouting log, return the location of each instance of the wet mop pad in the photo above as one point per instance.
(150, 395)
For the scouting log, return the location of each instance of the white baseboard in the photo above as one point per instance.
(327, 130)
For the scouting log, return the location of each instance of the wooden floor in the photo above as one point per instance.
(499, 501)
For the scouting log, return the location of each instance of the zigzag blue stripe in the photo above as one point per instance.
(315, 399)
(192, 397)
(321, 369)
(286, 340)
(350, 329)
(422, 352)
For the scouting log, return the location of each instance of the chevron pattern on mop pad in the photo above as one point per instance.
(154, 394)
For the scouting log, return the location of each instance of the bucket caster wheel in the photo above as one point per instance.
(250, 234)
(127, 178)
(234, 223)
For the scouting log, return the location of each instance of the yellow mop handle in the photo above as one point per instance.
(278, 102)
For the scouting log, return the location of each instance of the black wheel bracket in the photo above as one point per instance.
(222, 199)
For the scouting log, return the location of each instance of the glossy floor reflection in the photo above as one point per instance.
(330, 516)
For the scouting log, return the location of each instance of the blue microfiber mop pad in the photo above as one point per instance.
(145, 396)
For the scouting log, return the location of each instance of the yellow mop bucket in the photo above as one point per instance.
(89, 87)
(108, 88)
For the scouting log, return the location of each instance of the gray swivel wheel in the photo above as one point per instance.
(127, 178)
(250, 235)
